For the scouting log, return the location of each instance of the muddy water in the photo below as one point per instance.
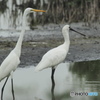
(77, 77)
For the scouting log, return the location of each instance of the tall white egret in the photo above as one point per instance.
(11, 62)
(56, 55)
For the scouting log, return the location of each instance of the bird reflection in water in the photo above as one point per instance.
(53, 84)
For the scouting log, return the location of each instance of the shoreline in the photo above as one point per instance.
(37, 42)
(32, 51)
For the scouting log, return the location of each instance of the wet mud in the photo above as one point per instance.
(35, 46)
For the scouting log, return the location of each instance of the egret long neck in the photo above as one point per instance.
(19, 42)
(66, 39)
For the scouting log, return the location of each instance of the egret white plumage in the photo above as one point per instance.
(56, 55)
(11, 62)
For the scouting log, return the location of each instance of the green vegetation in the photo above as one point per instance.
(3, 6)
(73, 11)
(58, 11)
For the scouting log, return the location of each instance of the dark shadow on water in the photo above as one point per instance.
(52, 91)
(88, 73)
(53, 84)
(88, 69)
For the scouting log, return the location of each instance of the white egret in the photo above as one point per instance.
(56, 55)
(11, 62)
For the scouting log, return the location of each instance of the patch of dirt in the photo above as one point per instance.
(37, 42)
(81, 49)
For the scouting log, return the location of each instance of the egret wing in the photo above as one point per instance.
(8, 65)
(52, 58)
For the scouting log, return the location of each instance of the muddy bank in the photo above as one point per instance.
(37, 42)
(32, 51)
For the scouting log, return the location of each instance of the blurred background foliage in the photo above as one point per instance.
(58, 11)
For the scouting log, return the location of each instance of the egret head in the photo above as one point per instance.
(27, 11)
(30, 10)
(67, 28)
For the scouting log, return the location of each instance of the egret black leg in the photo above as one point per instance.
(53, 84)
(12, 87)
(52, 76)
(3, 88)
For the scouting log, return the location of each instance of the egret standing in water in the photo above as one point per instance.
(11, 62)
(56, 55)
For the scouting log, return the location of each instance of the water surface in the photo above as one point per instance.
(77, 77)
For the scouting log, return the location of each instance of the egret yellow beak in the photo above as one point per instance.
(36, 10)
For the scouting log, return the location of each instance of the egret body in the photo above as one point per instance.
(11, 62)
(56, 55)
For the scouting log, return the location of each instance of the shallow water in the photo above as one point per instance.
(77, 77)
